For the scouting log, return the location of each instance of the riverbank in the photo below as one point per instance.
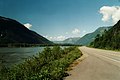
(14, 45)
(50, 64)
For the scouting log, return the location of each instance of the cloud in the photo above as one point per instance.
(45, 36)
(76, 31)
(58, 38)
(110, 13)
(28, 25)
(84, 31)
(66, 33)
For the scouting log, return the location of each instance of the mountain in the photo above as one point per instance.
(88, 38)
(85, 40)
(110, 39)
(11, 31)
(68, 41)
(71, 40)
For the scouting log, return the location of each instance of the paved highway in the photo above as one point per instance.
(97, 65)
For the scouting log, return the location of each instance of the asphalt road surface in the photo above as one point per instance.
(97, 65)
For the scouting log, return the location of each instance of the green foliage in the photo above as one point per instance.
(50, 64)
(88, 38)
(109, 40)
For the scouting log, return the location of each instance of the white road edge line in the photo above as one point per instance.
(113, 60)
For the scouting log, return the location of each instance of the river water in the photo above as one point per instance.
(11, 56)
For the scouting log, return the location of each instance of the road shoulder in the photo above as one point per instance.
(75, 64)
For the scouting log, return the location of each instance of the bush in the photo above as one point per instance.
(50, 64)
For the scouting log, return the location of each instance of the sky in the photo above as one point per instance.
(60, 19)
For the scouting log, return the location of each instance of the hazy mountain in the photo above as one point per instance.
(110, 39)
(71, 40)
(85, 40)
(88, 38)
(12, 31)
(68, 41)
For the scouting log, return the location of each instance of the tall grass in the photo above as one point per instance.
(50, 64)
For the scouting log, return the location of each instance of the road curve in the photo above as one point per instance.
(98, 65)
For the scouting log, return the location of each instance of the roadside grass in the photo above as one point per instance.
(50, 64)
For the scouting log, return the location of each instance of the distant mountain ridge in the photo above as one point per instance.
(11, 31)
(71, 40)
(110, 39)
(88, 38)
(68, 41)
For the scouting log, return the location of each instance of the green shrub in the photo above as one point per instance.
(50, 64)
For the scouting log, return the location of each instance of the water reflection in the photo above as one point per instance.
(11, 56)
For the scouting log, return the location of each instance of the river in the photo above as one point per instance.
(11, 56)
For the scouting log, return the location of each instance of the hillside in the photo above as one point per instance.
(71, 40)
(110, 39)
(88, 38)
(11, 31)
(68, 41)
